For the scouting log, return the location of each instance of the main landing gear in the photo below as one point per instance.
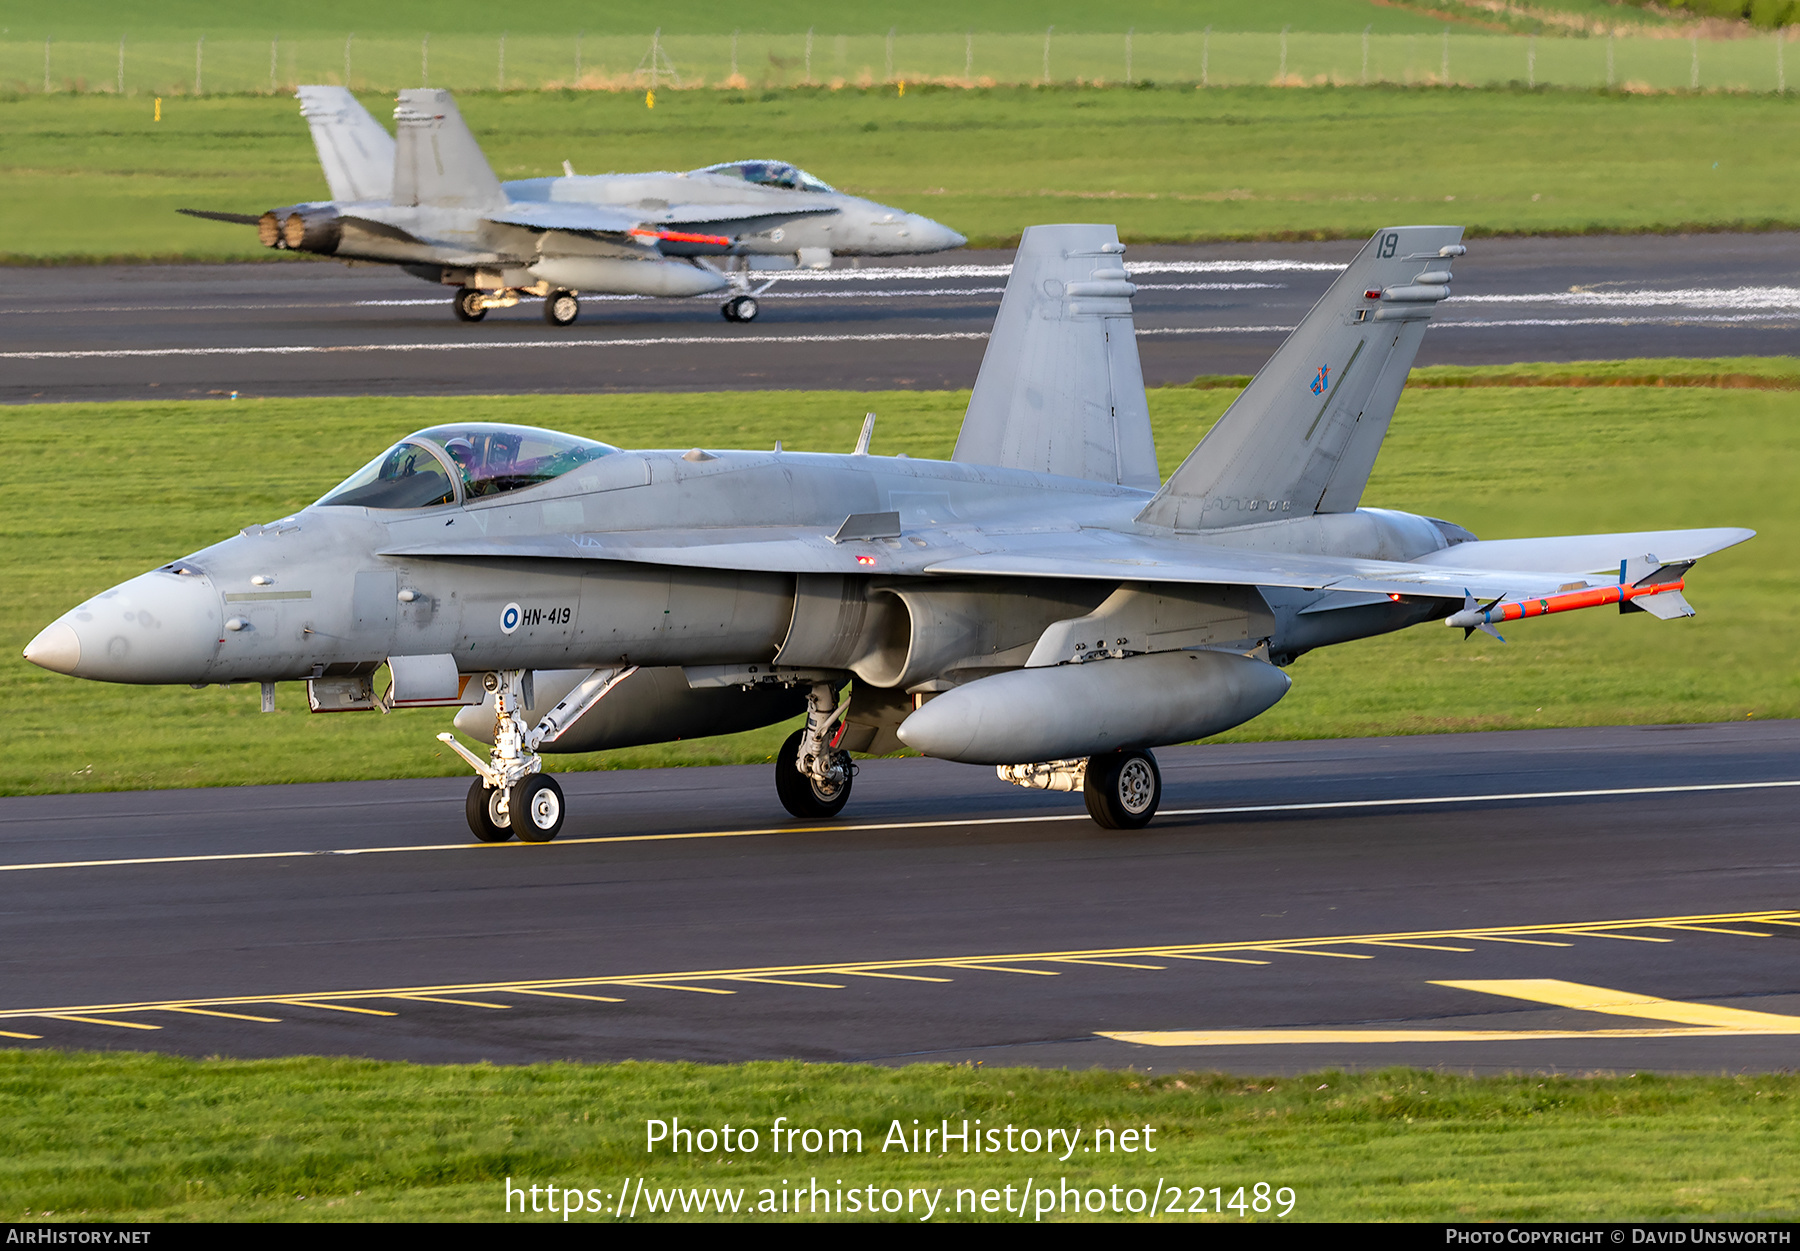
(561, 308)
(471, 304)
(1123, 789)
(812, 774)
(510, 797)
(740, 308)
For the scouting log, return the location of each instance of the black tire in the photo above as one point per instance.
(480, 811)
(747, 308)
(800, 794)
(536, 809)
(1123, 789)
(728, 310)
(468, 305)
(561, 308)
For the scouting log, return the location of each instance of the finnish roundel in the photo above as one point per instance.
(509, 619)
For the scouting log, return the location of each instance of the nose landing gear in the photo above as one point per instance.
(510, 797)
(740, 308)
(561, 308)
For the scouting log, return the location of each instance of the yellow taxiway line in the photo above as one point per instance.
(925, 969)
(1691, 1020)
(1343, 805)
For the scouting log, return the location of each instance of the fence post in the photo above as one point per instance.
(347, 39)
(1694, 70)
(809, 31)
(1129, 30)
(121, 65)
(1609, 58)
(890, 56)
(1205, 56)
(1365, 68)
(199, 54)
(503, 60)
(578, 34)
(1446, 65)
(969, 58)
(425, 60)
(274, 47)
(1281, 74)
(46, 65)
(1780, 69)
(1045, 81)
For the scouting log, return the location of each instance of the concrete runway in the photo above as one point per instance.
(110, 333)
(1616, 899)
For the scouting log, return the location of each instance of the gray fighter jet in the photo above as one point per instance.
(1040, 602)
(429, 203)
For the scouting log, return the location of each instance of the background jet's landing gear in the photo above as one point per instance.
(471, 304)
(561, 308)
(812, 776)
(740, 308)
(511, 796)
(1122, 789)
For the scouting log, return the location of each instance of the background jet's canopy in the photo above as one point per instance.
(484, 458)
(769, 174)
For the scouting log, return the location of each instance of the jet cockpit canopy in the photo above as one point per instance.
(467, 460)
(770, 174)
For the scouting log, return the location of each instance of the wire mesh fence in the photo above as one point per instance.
(1639, 61)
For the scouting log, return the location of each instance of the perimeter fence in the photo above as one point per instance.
(1641, 60)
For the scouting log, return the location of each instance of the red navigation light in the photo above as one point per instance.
(1374, 294)
(682, 236)
(865, 560)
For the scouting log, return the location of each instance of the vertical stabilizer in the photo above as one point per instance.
(1060, 390)
(1302, 437)
(437, 162)
(356, 153)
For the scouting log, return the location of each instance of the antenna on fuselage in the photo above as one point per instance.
(868, 432)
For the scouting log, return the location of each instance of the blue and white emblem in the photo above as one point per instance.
(509, 619)
(1322, 383)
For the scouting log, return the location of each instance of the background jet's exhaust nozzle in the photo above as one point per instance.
(268, 230)
(312, 229)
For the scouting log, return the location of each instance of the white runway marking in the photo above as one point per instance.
(1341, 805)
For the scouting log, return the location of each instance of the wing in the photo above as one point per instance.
(1090, 554)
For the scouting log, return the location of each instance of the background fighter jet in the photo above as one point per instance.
(1039, 602)
(428, 202)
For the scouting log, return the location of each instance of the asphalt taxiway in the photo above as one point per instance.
(1621, 899)
(317, 328)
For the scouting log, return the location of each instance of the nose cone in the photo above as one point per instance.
(930, 236)
(158, 628)
(56, 648)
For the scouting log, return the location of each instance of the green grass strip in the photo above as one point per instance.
(125, 1136)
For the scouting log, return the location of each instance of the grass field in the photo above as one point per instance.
(93, 177)
(86, 509)
(137, 1137)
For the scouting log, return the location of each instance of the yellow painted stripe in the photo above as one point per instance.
(6, 1033)
(1111, 964)
(235, 1016)
(898, 977)
(784, 981)
(100, 1020)
(563, 994)
(1388, 942)
(329, 1007)
(1694, 1020)
(461, 1003)
(698, 990)
(1629, 1003)
(516, 848)
(1715, 929)
(1310, 951)
(1239, 952)
(1629, 938)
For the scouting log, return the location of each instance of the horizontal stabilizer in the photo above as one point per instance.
(355, 152)
(1302, 437)
(1060, 390)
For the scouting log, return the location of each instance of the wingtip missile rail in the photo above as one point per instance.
(1568, 601)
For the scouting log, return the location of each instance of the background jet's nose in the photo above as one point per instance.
(56, 648)
(160, 627)
(935, 236)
